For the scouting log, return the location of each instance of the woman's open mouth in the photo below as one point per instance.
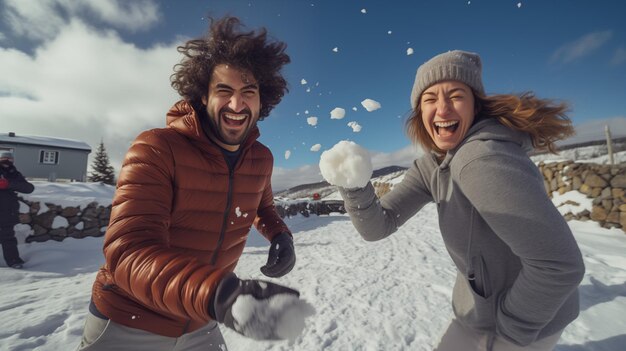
(446, 129)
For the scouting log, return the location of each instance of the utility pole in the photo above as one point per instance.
(609, 144)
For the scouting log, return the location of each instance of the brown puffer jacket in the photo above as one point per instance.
(179, 223)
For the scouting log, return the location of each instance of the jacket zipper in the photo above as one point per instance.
(229, 200)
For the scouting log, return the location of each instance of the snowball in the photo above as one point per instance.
(337, 113)
(519, 4)
(312, 120)
(353, 108)
(281, 316)
(409, 51)
(363, 11)
(355, 126)
(303, 81)
(308, 90)
(370, 105)
(347, 165)
(238, 211)
(287, 154)
(389, 32)
(316, 147)
(306, 112)
(336, 49)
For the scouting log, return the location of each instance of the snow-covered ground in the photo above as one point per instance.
(388, 295)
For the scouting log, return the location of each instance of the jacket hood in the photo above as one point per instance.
(183, 118)
(491, 129)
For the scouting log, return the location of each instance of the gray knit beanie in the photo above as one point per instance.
(462, 66)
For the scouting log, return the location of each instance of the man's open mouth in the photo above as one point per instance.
(234, 119)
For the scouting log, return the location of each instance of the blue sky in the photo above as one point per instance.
(91, 70)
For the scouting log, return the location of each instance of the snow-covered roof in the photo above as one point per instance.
(44, 141)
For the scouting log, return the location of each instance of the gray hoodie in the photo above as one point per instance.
(517, 261)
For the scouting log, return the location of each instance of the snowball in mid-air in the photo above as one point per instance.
(409, 51)
(370, 105)
(336, 49)
(312, 120)
(347, 165)
(303, 81)
(316, 147)
(337, 113)
(355, 126)
(287, 154)
(363, 10)
(281, 316)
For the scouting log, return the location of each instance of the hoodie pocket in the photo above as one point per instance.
(479, 278)
(473, 300)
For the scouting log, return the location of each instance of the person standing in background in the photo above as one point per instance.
(11, 181)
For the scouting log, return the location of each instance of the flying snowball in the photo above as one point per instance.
(354, 108)
(363, 11)
(287, 154)
(316, 147)
(370, 105)
(303, 81)
(337, 113)
(312, 121)
(389, 32)
(336, 49)
(347, 165)
(355, 126)
(308, 90)
(519, 5)
(409, 51)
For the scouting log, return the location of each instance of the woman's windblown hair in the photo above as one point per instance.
(227, 44)
(544, 120)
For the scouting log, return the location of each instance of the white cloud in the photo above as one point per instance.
(87, 85)
(283, 178)
(370, 105)
(337, 113)
(316, 147)
(581, 47)
(619, 57)
(44, 19)
(312, 120)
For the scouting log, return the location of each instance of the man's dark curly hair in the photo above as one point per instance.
(227, 44)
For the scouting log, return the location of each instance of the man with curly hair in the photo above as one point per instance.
(186, 198)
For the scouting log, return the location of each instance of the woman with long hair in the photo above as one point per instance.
(518, 264)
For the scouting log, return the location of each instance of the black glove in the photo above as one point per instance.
(260, 321)
(281, 258)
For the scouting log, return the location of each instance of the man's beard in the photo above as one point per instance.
(216, 131)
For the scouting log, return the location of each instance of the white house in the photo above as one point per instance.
(38, 157)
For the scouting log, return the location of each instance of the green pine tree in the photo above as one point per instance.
(102, 169)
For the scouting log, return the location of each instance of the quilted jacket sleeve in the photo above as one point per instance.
(136, 245)
(268, 222)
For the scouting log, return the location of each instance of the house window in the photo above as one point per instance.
(49, 157)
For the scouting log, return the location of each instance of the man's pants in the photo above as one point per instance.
(105, 335)
(9, 245)
(458, 337)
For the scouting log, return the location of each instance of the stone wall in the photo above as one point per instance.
(605, 184)
(53, 222)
